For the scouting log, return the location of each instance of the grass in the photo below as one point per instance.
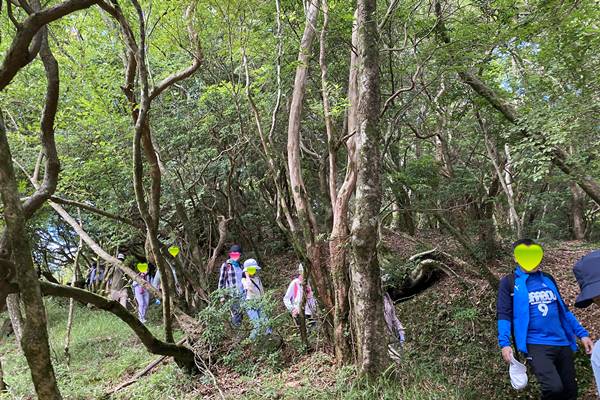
(103, 349)
(105, 353)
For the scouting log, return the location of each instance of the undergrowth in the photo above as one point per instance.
(450, 353)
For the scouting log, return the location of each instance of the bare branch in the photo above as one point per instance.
(52, 165)
(18, 55)
(413, 82)
(95, 210)
(182, 355)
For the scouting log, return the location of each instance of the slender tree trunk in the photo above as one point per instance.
(13, 304)
(316, 268)
(34, 340)
(2, 383)
(487, 230)
(401, 210)
(490, 145)
(71, 301)
(577, 211)
(150, 210)
(338, 244)
(367, 313)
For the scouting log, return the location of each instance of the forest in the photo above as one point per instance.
(285, 199)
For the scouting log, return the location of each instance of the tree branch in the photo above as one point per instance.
(52, 165)
(182, 355)
(95, 210)
(19, 54)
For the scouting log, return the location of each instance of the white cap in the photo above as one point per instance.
(518, 374)
(121, 256)
(251, 263)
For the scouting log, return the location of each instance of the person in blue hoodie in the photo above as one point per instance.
(531, 311)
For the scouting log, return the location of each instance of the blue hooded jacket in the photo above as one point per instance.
(512, 310)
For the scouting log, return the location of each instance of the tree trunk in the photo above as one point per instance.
(577, 211)
(2, 383)
(13, 304)
(315, 268)
(34, 340)
(71, 301)
(492, 151)
(487, 229)
(338, 245)
(367, 293)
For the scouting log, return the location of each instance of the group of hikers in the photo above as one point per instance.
(115, 283)
(531, 313)
(532, 316)
(241, 284)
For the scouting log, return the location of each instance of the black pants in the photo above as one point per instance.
(555, 371)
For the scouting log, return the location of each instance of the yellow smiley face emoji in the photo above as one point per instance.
(529, 257)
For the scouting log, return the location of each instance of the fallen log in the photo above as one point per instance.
(424, 270)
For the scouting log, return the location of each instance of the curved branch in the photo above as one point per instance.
(19, 53)
(52, 165)
(187, 72)
(183, 356)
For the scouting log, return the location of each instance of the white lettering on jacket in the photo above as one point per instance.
(542, 297)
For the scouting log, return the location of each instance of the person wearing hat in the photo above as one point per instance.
(142, 296)
(118, 291)
(587, 273)
(253, 291)
(293, 298)
(530, 307)
(230, 280)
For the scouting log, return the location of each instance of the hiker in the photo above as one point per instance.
(293, 299)
(230, 279)
(118, 291)
(391, 319)
(587, 273)
(95, 276)
(142, 296)
(254, 291)
(530, 307)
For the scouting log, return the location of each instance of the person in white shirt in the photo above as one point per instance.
(293, 299)
(254, 291)
(391, 319)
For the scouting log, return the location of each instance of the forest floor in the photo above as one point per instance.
(450, 353)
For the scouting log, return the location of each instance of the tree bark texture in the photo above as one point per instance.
(367, 293)
(577, 211)
(13, 304)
